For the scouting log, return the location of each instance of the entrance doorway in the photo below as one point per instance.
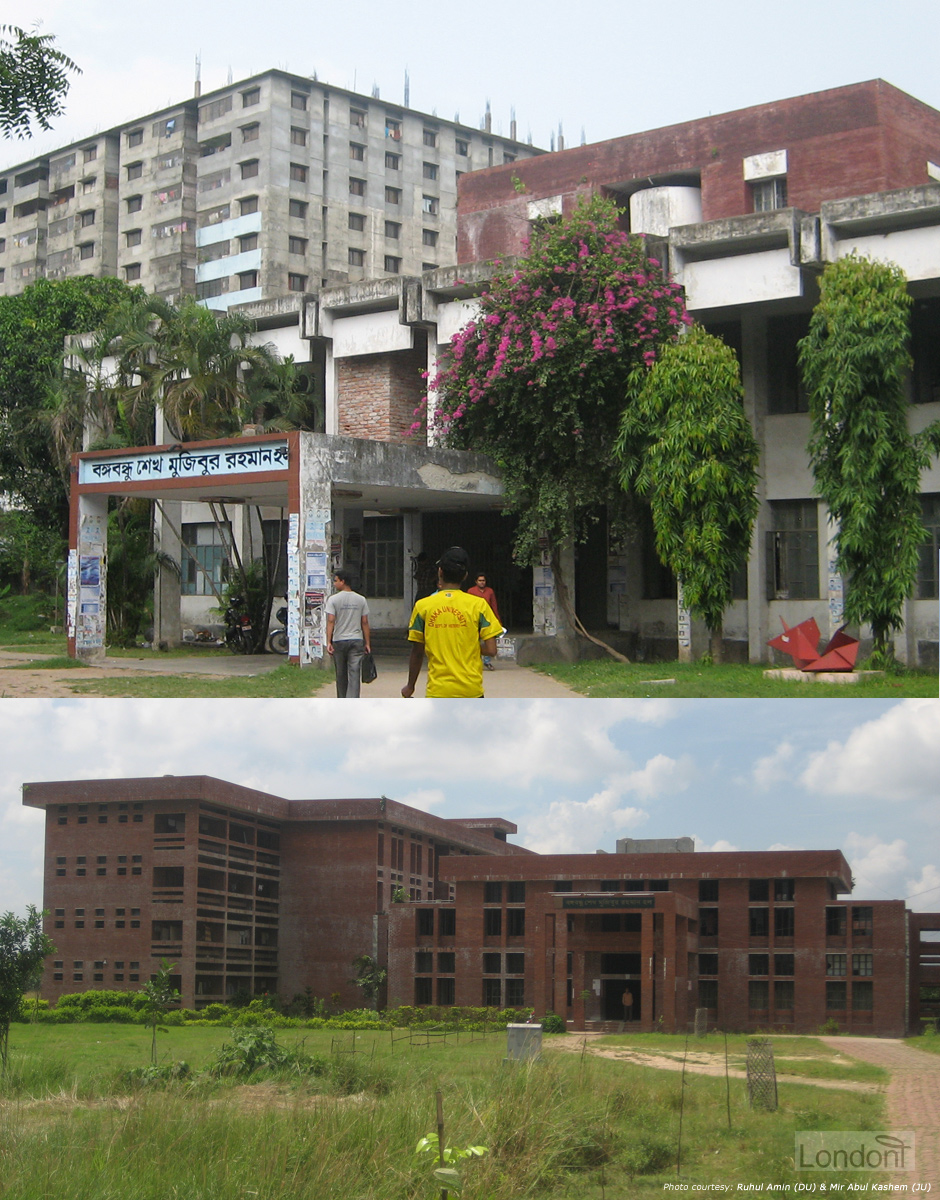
(612, 1000)
(487, 538)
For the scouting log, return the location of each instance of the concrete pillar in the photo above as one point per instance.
(754, 379)
(308, 568)
(167, 625)
(647, 982)
(87, 589)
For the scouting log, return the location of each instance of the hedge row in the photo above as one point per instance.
(105, 1006)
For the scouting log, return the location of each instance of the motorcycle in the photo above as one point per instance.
(238, 637)
(277, 638)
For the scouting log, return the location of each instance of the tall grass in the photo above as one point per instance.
(562, 1127)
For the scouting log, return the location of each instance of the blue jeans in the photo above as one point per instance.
(347, 657)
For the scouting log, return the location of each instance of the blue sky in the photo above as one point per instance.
(855, 775)
(611, 67)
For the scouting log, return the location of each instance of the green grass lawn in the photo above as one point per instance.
(570, 1126)
(607, 678)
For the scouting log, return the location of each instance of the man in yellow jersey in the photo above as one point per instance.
(453, 629)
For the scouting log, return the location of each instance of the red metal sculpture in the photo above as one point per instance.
(801, 642)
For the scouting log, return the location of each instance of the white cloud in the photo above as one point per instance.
(579, 826)
(701, 846)
(877, 866)
(924, 891)
(896, 756)
(427, 799)
(772, 768)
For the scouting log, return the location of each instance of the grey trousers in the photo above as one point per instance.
(347, 657)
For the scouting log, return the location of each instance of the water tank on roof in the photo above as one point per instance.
(656, 210)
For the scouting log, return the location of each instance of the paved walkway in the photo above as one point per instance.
(507, 681)
(913, 1095)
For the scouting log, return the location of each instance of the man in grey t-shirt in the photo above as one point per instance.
(347, 634)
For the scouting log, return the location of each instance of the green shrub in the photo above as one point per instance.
(553, 1023)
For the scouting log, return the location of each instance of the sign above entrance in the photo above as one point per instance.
(611, 901)
(183, 463)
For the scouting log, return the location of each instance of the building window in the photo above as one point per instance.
(836, 996)
(204, 561)
(251, 133)
(708, 922)
(357, 118)
(429, 170)
(862, 921)
(135, 203)
(297, 208)
(769, 194)
(356, 258)
(423, 993)
(783, 889)
(492, 893)
(492, 993)
(835, 964)
(357, 221)
(508, 158)
(392, 264)
(393, 230)
(927, 588)
(357, 187)
(298, 101)
(86, 250)
(793, 550)
(758, 922)
(298, 173)
(430, 205)
(707, 889)
(863, 997)
(357, 152)
(783, 993)
(429, 138)
(425, 922)
(429, 237)
(133, 237)
(515, 993)
(708, 964)
(862, 964)
(492, 922)
(383, 552)
(296, 283)
(758, 890)
(758, 964)
(296, 245)
(393, 195)
(785, 391)
(87, 218)
(247, 279)
(393, 129)
(447, 922)
(462, 147)
(783, 964)
(758, 994)
(515, 892)
(89, 154)
(515, 922)
(424, 962)
(247, 205)
(249, 169)
(135, 170)
(298, 137)
(835, 922)
(251, 97)
(445, 991)
(783, 922)
(392, 161)
(135, 137)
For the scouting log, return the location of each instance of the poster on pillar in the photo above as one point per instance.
(293, 586)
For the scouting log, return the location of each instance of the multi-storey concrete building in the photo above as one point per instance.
(276, 184)
(249, 893)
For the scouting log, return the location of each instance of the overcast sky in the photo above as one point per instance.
(855, 775)
(610, 67)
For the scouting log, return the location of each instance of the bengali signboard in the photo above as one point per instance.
(609, 901)
(184, 463)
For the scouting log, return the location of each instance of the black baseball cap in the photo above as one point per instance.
(456, 559)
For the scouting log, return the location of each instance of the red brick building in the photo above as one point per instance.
(760, 939)
(249, 893)
(800, 152)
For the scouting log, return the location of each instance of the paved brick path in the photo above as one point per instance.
(913, 1095)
